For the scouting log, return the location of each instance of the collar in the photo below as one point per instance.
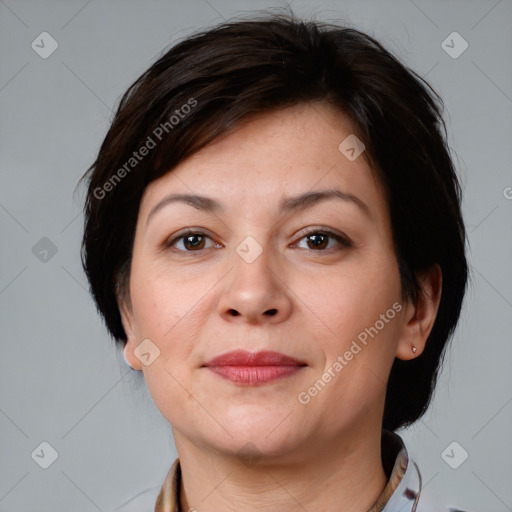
(401, 492)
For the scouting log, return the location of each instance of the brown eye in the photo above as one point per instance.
(190, 242)
(322, 240)
(193, 242)
(317, 241)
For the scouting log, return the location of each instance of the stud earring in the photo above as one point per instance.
(414, 349)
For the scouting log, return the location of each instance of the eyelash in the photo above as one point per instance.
(343, 240)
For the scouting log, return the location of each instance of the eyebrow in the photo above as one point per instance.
(287, 205)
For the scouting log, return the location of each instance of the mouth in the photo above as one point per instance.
(254, 368)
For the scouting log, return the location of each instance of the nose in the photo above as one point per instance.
(254, 294)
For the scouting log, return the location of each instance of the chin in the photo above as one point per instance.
(250, 449)
(266, 435)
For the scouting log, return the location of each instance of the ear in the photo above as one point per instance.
(128, 320)
(419, 317)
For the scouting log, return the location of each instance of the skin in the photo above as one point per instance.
(323, 455)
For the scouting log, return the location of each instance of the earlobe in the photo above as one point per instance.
(125, 352)
(131, 343)
(419, 317)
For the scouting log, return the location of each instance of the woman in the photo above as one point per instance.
(273, 235)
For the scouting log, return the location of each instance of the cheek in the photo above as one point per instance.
(358, 345)
(172, 308)
(350, 297)
(161, 298)
(166, 315)
(359, 323)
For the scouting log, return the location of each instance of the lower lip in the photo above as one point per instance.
(254, 375)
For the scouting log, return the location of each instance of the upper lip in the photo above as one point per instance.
(261, 358)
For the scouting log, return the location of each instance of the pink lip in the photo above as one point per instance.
(249, 368)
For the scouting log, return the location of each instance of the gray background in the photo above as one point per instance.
(62, 380)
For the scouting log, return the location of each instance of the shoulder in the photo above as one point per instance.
(411, 494)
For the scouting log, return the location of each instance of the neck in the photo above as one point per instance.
(344, 474)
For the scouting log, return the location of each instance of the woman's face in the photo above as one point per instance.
(316, 280)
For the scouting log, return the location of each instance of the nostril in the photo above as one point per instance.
(233, 312)
(271, 312)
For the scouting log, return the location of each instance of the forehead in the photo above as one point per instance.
(264, 159)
